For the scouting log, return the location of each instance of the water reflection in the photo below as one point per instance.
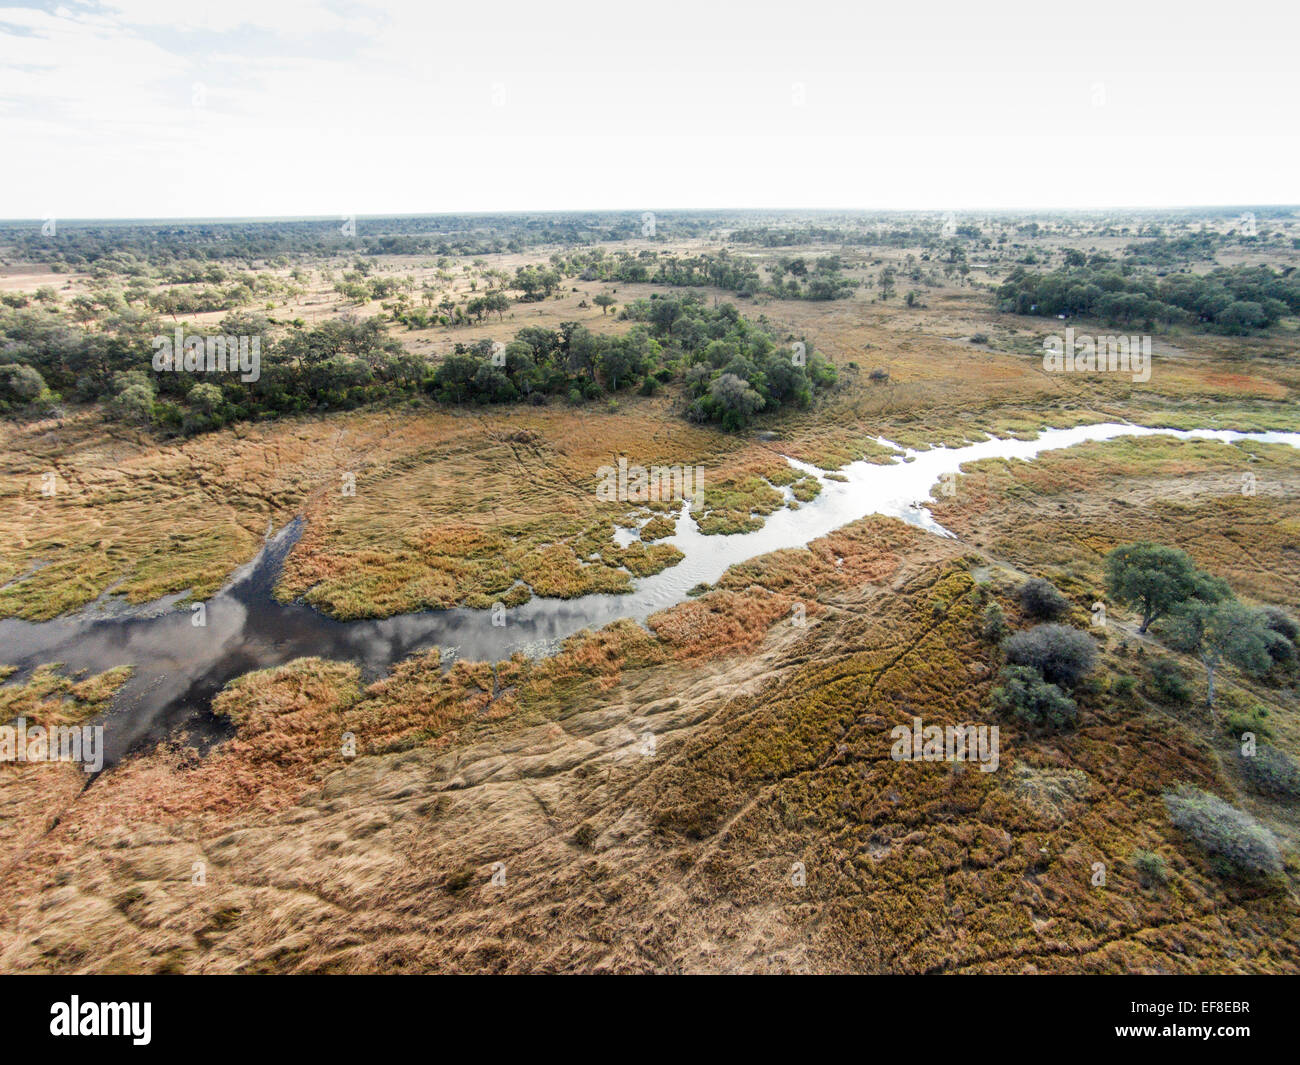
(180, 666)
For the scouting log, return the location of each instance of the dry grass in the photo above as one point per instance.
(771, 738)
(678, 860)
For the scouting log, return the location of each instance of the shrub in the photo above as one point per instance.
(1039, 598)
(1235, 841)
(204, 397)
(1063, 655)
(1271, 771)
(1024, 694)
(20, 383)
(994, 626)
(980, 338)
(1282, 623)
(1284, 635)
(134, 404)
(1241, 713)
(1150, 867)
(1122, 686)
(1169, 683)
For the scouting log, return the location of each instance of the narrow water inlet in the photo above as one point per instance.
(179, 666)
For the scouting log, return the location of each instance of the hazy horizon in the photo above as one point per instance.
(1226, 208)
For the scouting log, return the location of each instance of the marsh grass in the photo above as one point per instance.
(51, 697)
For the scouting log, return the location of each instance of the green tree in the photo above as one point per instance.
(20, 383)
(204, 397)
(1155, 580)
(1221, 632)
(736, 401)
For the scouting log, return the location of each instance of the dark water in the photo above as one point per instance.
(180, 666)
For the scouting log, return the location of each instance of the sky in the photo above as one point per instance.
(169, 108)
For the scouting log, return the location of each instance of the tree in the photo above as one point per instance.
(453, 378)
(887, 282)
(736, 401)
(204, 397)
(604, 301)
(617, 360)
(498, 303)
(1156, 579)
(1221, 632)
(536, 283)
(20, 383)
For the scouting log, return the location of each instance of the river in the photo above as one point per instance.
(180, 666)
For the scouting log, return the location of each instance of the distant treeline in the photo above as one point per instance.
(799, 278)
(731, 368)
(1232, 300)
(884, 235)
(124, 246)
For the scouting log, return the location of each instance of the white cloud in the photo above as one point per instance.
(154, 107)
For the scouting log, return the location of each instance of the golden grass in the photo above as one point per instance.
(50, 697)
(773, 736)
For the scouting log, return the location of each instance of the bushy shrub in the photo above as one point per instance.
(1271, 771)
(1040, 598)
(19, 384)
(134, 405)
(1150, 867)
(1282, 623)
(1237, 843)
(994, 626)
(1240, 713)
(204, 397)
(1024, 694)
(1168, 683)
(1284, 636)
(1063, 655)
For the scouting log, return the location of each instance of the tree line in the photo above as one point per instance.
(730, 368)
(1232, 300)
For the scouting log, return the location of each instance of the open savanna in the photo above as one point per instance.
(442, 492)
(648, 791)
